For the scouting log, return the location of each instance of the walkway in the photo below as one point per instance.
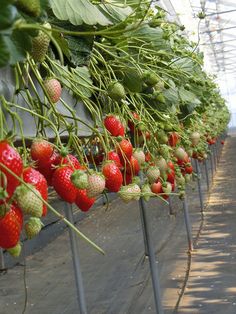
(211, 288)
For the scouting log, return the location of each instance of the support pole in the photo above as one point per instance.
(76, 262)
(2, 262)
(152, 258)
(207, 175)
(212, 166)
(214, 154)
(199, 184)
(188, 224)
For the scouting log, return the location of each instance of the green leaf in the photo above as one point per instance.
(78, 12)
(18, 44)
(154, 36)
(4, 52)
(80, 49)
(63, 43)
(8, 15)
(84, 82)
(188, 97)
(171, 95)
(114, 12)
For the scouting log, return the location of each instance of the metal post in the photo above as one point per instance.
(76, 262)
(2, 262)
(171, 211)
(188, 224)
(152, 258)
(199, 184)
(212, 166)
(207, 176)
(143, 228)
(214, 154)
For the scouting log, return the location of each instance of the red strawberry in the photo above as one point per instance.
(63, 185)
(34, 177)
(69, 160)
(222, 142)
(48, 167)
(53, 89)
(112, 155)
(148, 157)
(131, 123)
(188, 169)
(113, 176)
(173, 139)
(124, 148)
(156, 187)
(83, 201)
(41, 150)
(12, 160)
(114, 125)
(10, 227)
(96, 184)
(171, 165)
(171, 176)
(131, 166)
(127, 178)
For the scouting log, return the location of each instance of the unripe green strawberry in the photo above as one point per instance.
(139, 155)
(40, 45)
(129, 192)
(53, 89)
(80, 179)
(31, 7)
(32, 227)
(146, 191)
(116, 91)
(150, 78)
(15, 251)
(96, 184)
(153, 173)
(29, 202)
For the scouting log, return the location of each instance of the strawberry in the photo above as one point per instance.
(139, 155)
(195, 138)
(53, 89)
(80, 179)
(40, 44)
(167, 189)
(170, 176)
(34, 177)
(116, 91)
(48, 167)
(83, 201)
(114, 126)
(32, 227)
(112, 155)
(131, 166)
(10, 158)
(131, 124)
(63, 185)
(10, 227)
(171, 165)
(113, 176)
(124, 149)
(156, 187)
(222, 142)
(150, 78)
(127, 178)
(188, 169)
(15, 250)
(146, 191)
(96, 184)
(69, 160)
(29, 201)
(41, 150)
(31, 8)
(130, 192)
(181, 154)
(153, 174)
(162, 165)
(148, 157)
(173, 139)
